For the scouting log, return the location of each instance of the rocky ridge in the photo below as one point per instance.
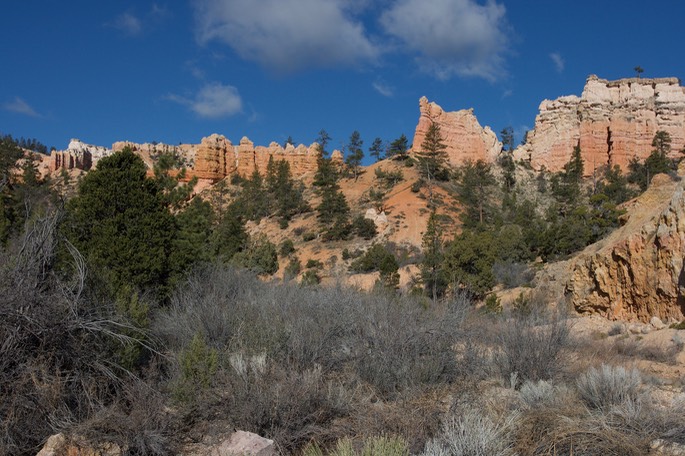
(636, 273)
(216, 157)
(612, 122)
(77, 155)
(464, 137)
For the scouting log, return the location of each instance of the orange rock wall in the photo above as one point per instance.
(67, 159)
(216, 157)
(462, 134)
(612, 122)
(637, 272)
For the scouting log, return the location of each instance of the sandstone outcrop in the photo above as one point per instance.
(637, 273)
(77, 155)
(216, 157)
(612, 122)
(185, 152)
(462, 134)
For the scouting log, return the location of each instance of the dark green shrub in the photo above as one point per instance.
(287, 247)
(310, 277)
(293, 268)
(363, 227)
(313, 263)
(308, 236)
(260, 256)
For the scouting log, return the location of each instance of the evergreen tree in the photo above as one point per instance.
(290, 141)
(229, 236)
(566, 184)
(507, 135)
(10, 215)
(287, 194)
(120, 222)
(326, 173)
(657, 162)
(376, 149)
(323, 139)
(468, 261)
(615, 185)
(432, 272)
(254, 200)
(355, 153)
(260, 256)
(432, 157)
(475, 186)
(192, 242)
(173, 193)
(398, 148)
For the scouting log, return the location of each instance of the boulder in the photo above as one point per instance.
(242, 443)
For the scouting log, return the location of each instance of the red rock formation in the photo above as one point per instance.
(637, 272)
(70, 159)
(462, 134)
(213, 158)
(217, 158)
(612, 122)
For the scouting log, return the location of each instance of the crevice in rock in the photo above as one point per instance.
(610, 146)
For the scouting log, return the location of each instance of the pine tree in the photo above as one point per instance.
(376, 149)
(398, 148)
(432, 272)
(355, 153)
(323, 139)
(432, 157)
(120, 222)
(476, 183)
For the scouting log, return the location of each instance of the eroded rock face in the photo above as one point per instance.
(216, 157)
(637, 272)
(77, 155)
(462, 134)
(612, 122)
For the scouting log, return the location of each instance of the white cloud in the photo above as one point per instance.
(214, 100)
(128, 23)
(383, 88)
(19, 106)
(558, 61)
(288, 35)
(451, 37)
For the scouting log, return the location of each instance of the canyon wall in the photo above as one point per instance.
(216, 157)
(637, 272)
(77, 155)
(612, 122)
(462, 134)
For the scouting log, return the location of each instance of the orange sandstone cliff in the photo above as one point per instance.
(462, 134)
(612, 122)
(636, 273)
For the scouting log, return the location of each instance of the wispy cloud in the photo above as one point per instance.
(19, 106)
(158, 11)
(451, 37)
(214, 100)
(383, 88)
(128, 23)
(558, 61)
(282, 36)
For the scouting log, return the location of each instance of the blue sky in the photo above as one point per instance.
(175, 71)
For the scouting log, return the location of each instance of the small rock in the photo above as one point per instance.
(657, 323)
(54, 446)
(244, 444)
(635, 329)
